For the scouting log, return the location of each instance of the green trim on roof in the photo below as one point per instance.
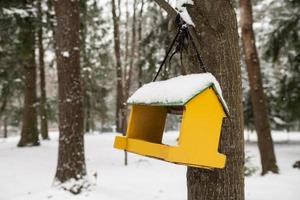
(182, 103)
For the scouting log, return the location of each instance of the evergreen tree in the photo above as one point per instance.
(97, 71)
(283, 48)
(11, 71)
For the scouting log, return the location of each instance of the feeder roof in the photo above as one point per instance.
(176, 91)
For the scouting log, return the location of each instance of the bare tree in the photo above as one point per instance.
(261, 121)
(71, 159)
(216, 32)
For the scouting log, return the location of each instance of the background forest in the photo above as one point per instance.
(122, 43)
(144, 38)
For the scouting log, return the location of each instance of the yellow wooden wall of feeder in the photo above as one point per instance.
(198, 98)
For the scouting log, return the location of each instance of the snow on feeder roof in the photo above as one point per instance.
(176, 91)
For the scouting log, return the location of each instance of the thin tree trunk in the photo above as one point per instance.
(71, 159)
(5, 127)
(124, 74)
(86, 73)
(261, 121)
(119, 10)
(29, 132)
(88, 117)
(120, 96)
(43, 98)
(50, 19)
(2, 110)
(129, 73)
(126, 40)
(139, 52)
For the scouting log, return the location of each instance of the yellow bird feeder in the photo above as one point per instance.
(198, 98)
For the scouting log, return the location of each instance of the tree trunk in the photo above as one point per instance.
(261, 121)
(71, 159)
(86, 73)
(126, 42)
(2, 111)
(43, 98)
(120, 96)
(29, 132)
(139, 52)
(216, 32)
(129, 73)
(5, 127)
(216, 29)
(88, 117)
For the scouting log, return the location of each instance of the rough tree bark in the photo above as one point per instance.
(43, 96)
(120, 108)
(261, 121)
(71, 159)
(29, 132)
(216, 30)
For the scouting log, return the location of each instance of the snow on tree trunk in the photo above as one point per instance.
(261, 121)
(71, 159)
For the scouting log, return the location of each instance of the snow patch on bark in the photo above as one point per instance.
(65, 54)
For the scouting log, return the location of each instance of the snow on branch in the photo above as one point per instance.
(180, 8)
(20, 12)
(167, 7)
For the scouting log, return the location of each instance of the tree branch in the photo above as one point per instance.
(172, 13)
(167, 7)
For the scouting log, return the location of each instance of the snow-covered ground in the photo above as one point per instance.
(27, 173)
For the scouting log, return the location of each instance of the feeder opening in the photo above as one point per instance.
(172, 126)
